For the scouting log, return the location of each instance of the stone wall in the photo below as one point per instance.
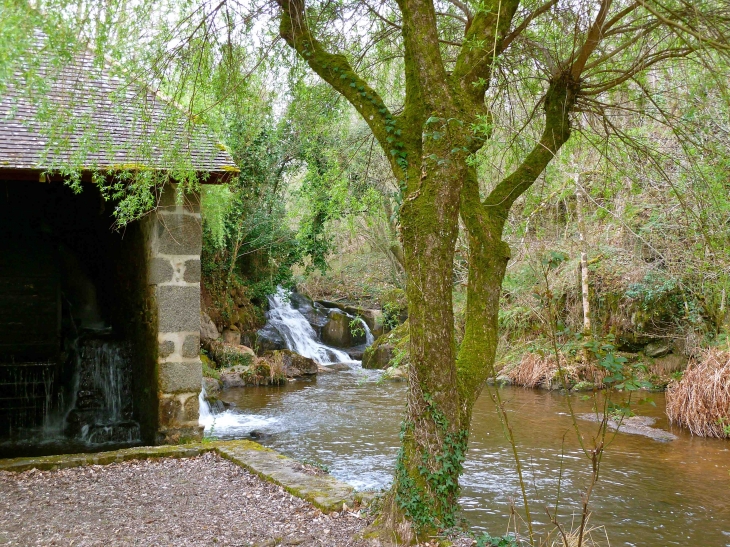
(174, 245)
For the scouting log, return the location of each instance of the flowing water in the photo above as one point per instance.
(299, 334)
(650, 493)
(93, 410)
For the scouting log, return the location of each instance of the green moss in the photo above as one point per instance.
(208, 368)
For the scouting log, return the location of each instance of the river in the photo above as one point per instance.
(649, 494)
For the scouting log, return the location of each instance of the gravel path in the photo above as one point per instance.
(198, 501)
(202, 501)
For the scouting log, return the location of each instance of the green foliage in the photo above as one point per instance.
(391, 315)
(485, 540)
(393, 306)
(227, 357)
(208, 370)
(357, 328)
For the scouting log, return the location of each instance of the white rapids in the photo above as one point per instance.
(301, 338)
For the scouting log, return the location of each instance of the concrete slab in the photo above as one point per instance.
(323, 491)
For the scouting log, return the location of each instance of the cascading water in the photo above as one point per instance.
(77, 404)
(299, 334)
(102, 411)
(300, 337)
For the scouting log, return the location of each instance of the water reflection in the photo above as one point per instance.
(650, 493)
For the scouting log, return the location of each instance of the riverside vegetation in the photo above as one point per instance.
(542, 185)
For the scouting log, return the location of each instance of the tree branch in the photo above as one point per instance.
(464, 8)
(482, 43)
(335, 70)
(593, 38)
(529, 19)
(558, 104)
(680, 28)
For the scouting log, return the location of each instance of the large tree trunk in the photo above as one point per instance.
(424, 495)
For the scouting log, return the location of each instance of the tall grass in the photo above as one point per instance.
(700, 401)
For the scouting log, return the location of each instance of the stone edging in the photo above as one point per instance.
(323, 491)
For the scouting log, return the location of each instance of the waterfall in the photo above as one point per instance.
(299, 334)
(369, 338)
(206, 413)
(102, 411)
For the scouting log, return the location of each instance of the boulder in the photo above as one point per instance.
(378, 356)
(260, 373)
(338, 367)
(231, 379)
(232, 336)
(315, 314)
(396, 374)
(229, 355)
(658, 349)
(289, 363)
(269, 339)
(381, 353)
(338, 333)
(373, 318)
(208, 330)
(212, 386)
(356, 354)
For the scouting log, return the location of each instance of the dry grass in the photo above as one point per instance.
(592, 537)
(535, 370)
(701, 400)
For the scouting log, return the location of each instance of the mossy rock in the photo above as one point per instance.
(289, 364)
(384, 351)
(337, 331)
(227, 355)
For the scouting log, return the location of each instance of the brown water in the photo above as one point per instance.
(650, 493)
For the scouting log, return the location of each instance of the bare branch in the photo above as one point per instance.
(593, 38)
(679, 27)
(522, 26)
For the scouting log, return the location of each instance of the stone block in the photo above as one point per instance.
(166, 348)
(178, 234)
(178, 308)
(168, 196)
(179, 435)
(180, 377)
(160, 271)
(191, 408)
(232, 336)
(191, 346)
(192, 271)
(170, 411)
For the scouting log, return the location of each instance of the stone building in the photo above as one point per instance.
(99, 327)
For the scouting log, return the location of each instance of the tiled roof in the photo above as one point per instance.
(87, 118)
